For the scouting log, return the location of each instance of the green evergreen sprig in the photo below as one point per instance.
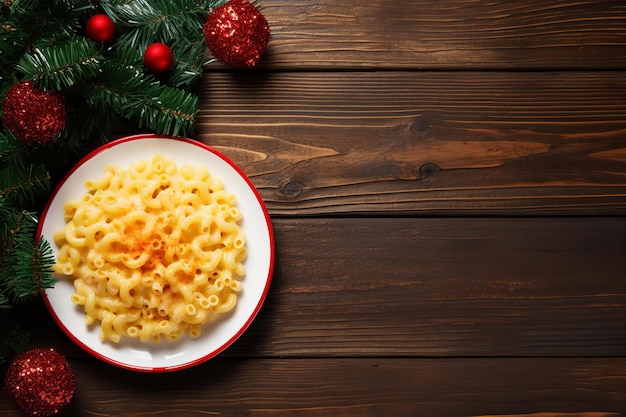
(143, 20)
(25, 256)
(108, 92)
(20, 182)
(61, 66)
(26, 270)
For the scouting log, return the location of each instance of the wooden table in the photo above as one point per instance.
(447, 185)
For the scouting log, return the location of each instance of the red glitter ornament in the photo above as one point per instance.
(33, 115)
(237, 33)
(40, 382)
(100, 28)
(158, 57)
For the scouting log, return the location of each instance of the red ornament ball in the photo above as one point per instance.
(40, 382)
(158, 57)
(237, 33)
(100, 28)
(34, 116)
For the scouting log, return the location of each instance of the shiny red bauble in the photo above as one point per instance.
(237, 33)
(40, 382)
(100, 28)
(158, 57)
(33, 116)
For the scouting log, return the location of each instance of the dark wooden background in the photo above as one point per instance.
(447, 185)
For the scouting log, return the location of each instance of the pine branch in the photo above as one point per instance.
(190, 58)
(57, 24)
(55, 155)
(21, 183)
(119, 79)
(43, 23)
(139, 97)
(170, 111)
(26, 261)
(12, 41)
(34, 259)
(88, 124)
(145, 21)
(61, 66)
(21, 18)
(8, 149)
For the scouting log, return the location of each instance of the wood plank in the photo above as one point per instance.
(438, 143)
(537, 387)
(436, 287)
(445, 34)
(443, 287)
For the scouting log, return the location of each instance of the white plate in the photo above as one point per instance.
(216, 336)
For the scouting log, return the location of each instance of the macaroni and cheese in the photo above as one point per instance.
(155, 250)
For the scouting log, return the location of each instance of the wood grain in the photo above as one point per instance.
(434, 34)
(447, 184)
(356, 387)
(445, 287)
(380, 287)
(437, 143)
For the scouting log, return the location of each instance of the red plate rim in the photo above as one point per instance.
(257, 308)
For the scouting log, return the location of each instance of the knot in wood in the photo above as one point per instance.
(428, 170)
(291, 189)
(420, 127)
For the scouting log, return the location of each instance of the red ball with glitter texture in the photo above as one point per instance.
(100, 28)
(34, 116)
(237, 33)
(40, 382)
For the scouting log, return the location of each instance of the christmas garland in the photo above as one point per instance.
(75, 73)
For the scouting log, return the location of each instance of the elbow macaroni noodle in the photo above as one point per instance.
(155, 250)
